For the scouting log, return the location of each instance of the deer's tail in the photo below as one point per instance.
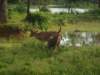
(59, 29)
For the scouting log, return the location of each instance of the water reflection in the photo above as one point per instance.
(59, 10)
(80, 38)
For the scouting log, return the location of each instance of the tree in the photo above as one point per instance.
(98, 3)
(13, 1)
(3, 11)
(28, 8)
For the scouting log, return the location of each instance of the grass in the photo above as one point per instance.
(31, 57)
(82, 26)
(92, 26)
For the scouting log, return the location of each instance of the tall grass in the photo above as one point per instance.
(33, 58)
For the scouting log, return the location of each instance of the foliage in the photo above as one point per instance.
(89, 15)
(20, 8)
(31, 57)
(95, 12)
(13, 1)
(40, 20)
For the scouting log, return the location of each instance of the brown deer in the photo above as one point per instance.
(51, 37)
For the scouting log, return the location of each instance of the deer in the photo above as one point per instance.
(52, 38)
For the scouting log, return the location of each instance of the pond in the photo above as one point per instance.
(66, 10)
(79, 39)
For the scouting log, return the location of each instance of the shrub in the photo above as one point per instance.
(95, 12)
(60, 22)
(20, 8)
(59, 18)
(39, 20)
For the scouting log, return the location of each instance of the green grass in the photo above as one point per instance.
(89, 25)
(31, 57)
(82, 26)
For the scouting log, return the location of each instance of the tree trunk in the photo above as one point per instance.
(3, 11)
(28, 8)
(98, 3)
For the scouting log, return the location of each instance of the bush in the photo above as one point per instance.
(39, 20)
(59, 19)
(95, 12)
(20, 8)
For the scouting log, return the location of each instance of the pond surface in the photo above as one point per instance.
(79, 39)
(58, 10)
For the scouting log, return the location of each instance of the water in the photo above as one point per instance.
(58, 10)
(79, 39)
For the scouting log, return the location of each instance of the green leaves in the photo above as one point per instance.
(39, 20)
